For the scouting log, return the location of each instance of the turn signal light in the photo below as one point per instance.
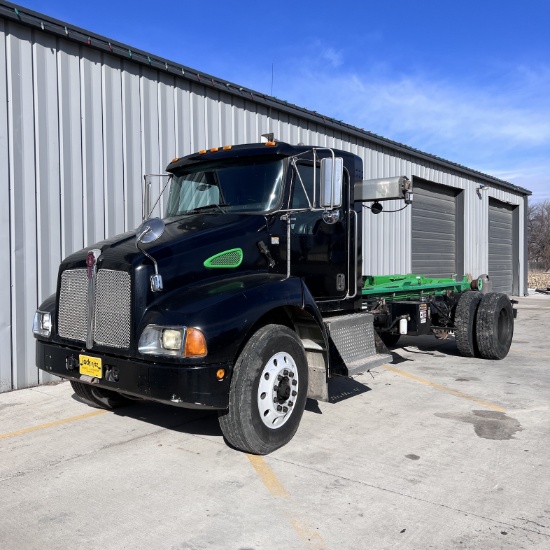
(195, 344)
(220, 373)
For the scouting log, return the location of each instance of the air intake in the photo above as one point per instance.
(227, 259)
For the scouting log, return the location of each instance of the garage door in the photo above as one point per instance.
(434, 220)
(501, 249)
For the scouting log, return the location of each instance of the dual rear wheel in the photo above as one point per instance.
(484, 325)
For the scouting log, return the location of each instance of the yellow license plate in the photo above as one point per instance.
(90, 366)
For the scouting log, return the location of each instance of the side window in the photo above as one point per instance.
(303, 183)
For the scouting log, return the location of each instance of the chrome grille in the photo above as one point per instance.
(112, 309)
(73, 305)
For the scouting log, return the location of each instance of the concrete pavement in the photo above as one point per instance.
(433, 451)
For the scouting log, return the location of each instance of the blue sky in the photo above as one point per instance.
(467, 80)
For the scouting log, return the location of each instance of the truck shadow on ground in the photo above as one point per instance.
(177, 419)
(423, 345)
(205, 422)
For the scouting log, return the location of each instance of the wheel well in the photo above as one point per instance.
(312, 338)
(294, 318)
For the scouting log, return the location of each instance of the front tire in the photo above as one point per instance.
(268, 392)
(98, 397)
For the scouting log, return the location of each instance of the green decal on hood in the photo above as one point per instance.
(228, 259)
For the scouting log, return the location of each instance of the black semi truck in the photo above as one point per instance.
(248, 295)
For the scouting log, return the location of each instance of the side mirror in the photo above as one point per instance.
(332, 176)
(150, 230)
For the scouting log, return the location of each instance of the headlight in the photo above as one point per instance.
(42, 324)
(172, 341)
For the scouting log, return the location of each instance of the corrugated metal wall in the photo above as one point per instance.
(79, 129)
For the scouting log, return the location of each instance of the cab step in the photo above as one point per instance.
(359, 347)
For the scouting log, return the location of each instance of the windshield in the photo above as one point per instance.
(230, 185)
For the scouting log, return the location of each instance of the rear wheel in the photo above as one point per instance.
(495, 326)
(268, 392)
(98, 397)
(465, 323)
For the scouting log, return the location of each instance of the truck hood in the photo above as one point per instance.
(184, 247)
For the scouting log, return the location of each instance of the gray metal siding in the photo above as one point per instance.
(78, 129)
(433, 231)
(6, 355)
(501, 251)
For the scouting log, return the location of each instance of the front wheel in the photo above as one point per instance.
(268, 392)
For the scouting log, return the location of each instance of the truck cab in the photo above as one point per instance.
(246, 297)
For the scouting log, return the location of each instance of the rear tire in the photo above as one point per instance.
(465, 323)
(98, 397)
(268, 392)
(495, 326)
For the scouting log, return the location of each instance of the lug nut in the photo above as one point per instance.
(285, 409)
(279, 377)
(275, 388)
(285, 372)
(290, 403)
(294, 393)
(294, 382)
(291, 374)
(279, 408)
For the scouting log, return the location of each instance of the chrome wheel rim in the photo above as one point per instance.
(278, 390)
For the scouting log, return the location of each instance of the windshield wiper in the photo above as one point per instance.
(205, 208)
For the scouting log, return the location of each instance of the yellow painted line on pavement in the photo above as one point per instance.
(308, 535)
(52, 424)
(447, 390)
(268, 477)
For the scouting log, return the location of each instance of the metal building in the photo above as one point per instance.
(83, 117)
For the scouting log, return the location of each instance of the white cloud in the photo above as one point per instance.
(333, 57)
(504, 125)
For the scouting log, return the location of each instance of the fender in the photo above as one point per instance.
(226, 310)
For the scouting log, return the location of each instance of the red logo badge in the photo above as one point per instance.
(90, 262)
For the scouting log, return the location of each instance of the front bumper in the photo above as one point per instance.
(195, 387)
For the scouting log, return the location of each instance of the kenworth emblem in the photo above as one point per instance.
(90, 263)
